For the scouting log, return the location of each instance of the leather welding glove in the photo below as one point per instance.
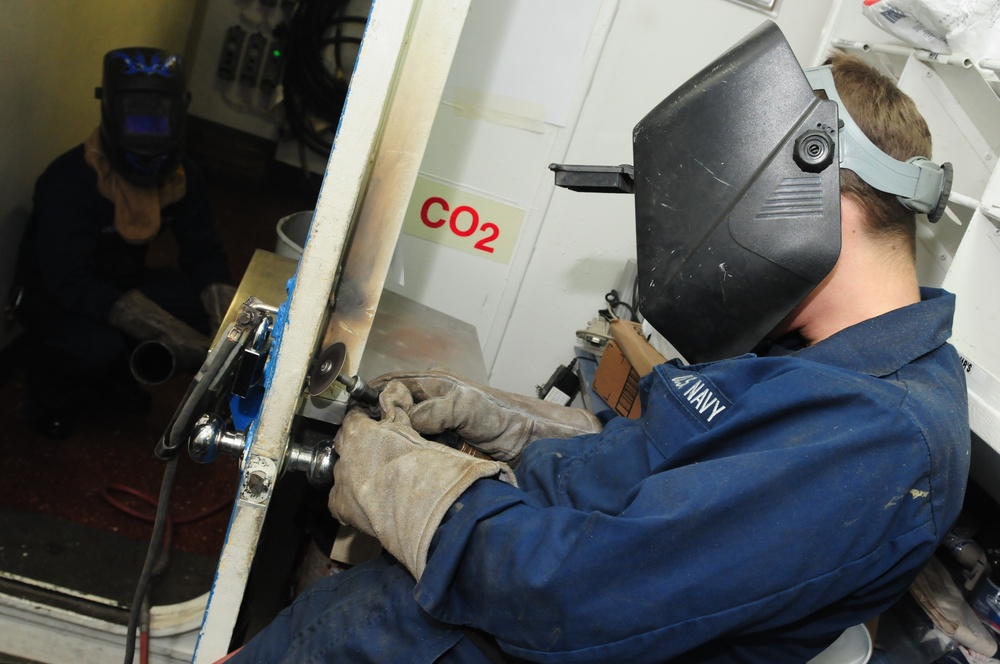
(496, 422)
(216, 298)
(144, 320)
(395, 485)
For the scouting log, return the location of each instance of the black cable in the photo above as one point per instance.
(611, 297)
(635, 299)
(149, 567)
(312, 93)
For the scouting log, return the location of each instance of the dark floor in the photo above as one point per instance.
(111, 453)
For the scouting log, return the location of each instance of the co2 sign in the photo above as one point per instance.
(460, 220)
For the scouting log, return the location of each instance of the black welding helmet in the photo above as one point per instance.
(143, 109)
(737, 195)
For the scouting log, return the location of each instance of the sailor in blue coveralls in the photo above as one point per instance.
(761, 504)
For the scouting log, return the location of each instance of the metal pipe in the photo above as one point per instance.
(963, 201)
(905, 51)
(955, 60)
(359, 389)
(156, 362)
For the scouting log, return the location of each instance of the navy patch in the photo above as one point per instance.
(700, 396)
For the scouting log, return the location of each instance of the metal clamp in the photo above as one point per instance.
(214, 375)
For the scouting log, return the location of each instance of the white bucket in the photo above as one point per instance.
(292, 233)
(854, 646)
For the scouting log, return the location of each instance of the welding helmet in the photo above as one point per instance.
(737, 195)
(143, 109)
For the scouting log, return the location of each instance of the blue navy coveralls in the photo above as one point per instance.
(74, 266)
(75, 263)
(758, 507)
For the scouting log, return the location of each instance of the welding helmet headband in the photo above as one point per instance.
(737, 198)
(143, 110)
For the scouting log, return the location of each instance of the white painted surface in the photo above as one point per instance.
(406, 51)
(573, 246)
(335, 212)
(535, 82)
(973, 276)
(487, 139)
(585, 239)
(46, 634)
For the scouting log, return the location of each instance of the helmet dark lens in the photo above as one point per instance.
(146, 117)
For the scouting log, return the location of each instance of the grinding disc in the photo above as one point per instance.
(327, 367)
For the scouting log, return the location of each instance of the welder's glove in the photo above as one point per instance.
(393, 484)
(216, 298)
(144, 320)
(496, 422)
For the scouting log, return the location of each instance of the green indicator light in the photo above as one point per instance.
(277, 53)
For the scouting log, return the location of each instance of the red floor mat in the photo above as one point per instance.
(109, 451)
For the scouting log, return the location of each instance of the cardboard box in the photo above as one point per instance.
(617, 382)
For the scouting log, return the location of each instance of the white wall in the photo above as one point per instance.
(572, 246)
(535, 82)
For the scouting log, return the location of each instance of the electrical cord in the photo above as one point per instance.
(314, 95)
(635, 301)
(158, 553)
(613, 302)
(152, 553)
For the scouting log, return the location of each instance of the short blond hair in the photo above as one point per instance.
(890, 119)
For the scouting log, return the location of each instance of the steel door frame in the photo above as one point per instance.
(395, 90)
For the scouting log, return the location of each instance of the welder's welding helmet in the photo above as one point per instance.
(143, 110)
(737, 196)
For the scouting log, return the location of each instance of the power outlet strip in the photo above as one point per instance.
(231, 48)
(252, 59)
(273, 64)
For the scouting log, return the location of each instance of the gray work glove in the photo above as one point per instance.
(498, 423)
(393, 484)
(144, 320)
(216, 298)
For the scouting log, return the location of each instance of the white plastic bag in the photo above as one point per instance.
(961, 27)
(943, 603)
